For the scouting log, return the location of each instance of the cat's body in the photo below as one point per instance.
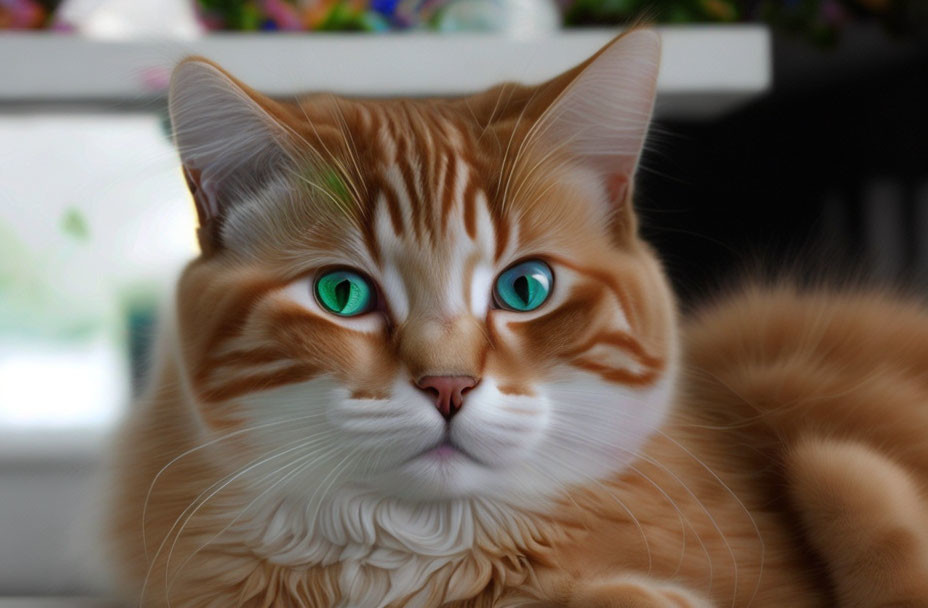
(768, 454)
(766, 370)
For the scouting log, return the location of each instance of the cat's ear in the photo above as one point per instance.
(602, 111)
(229, 137)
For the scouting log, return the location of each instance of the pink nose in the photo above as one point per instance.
(448, 392)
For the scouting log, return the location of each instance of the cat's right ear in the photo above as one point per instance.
(229, 139)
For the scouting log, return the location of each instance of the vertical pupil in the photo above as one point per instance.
(342, 291)
(520, 286)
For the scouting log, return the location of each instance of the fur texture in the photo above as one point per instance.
(769, 452)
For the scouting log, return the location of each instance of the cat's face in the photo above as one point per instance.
(427, 299)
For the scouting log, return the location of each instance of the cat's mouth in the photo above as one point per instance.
(445, 451)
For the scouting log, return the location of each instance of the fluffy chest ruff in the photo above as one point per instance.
(378, 552)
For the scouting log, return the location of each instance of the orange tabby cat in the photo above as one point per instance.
(425, 359)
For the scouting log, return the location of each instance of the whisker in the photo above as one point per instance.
(352, 149)
(619, 501)
(177, 458)
(230, 479)
(526, 177)
(684, 521)
(512, 135)
(331, 156)
(731, 493)
(297, 465)
(302, 445)
(333, 476)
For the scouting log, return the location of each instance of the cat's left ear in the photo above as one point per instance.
(602, 112)
(231, 141)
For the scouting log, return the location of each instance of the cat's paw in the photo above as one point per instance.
(634, 593)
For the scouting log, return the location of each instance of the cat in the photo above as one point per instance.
(425, 359)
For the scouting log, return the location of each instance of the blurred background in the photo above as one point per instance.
(789, 134)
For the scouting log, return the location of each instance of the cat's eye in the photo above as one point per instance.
(344, 293)
(524, 286)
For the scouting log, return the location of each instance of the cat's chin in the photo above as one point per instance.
(438, 473)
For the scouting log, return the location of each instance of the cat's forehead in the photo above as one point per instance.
(438, 179)
(428, 184)
(420, 190)
(435, 227)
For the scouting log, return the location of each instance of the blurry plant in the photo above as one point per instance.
(820, 21)
(817, 20)
(74, 223)
(269, 15)
(363, 15)
(33, 301)
(608, 12)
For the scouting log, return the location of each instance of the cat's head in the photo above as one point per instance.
(427, 298)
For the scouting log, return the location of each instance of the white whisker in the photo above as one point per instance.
(201, 447)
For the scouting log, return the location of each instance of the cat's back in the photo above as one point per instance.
(781, 363)
(775, 323)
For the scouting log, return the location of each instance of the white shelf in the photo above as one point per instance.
(706, 69)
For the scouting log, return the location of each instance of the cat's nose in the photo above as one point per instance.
(448, 392)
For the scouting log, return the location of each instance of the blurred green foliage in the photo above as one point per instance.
(820, 21)
(74, 224)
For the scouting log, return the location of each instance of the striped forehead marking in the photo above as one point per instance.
(433, 227)
(423, 181)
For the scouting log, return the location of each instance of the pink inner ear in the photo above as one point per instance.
(617, 186)
(206, 230)
(203, 195)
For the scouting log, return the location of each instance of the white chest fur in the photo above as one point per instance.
(389, 549)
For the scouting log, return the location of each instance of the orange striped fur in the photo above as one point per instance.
(772, 451)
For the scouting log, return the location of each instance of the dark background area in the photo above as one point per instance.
(825, 177)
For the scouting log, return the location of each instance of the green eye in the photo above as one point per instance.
(343, 292)
(525, 286)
